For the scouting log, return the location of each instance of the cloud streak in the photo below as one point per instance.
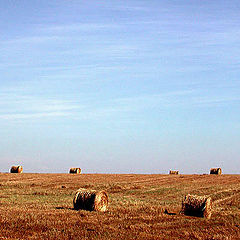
(26, 116)
(14, 107)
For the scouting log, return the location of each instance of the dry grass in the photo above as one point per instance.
(40, 206)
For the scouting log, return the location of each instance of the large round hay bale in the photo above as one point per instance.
(175, 172)
(16, 169)
(199, 206)
(90, 200)
(75, 170)
(217, 171)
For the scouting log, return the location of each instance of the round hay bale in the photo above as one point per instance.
(217, 171)
(75, 170)
(199, 206)
(16, 169)
(174, 172)
(90, 200)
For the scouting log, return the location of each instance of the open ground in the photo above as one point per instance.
(39, 206)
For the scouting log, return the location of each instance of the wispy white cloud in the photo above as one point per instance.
(73, 27)
(31, 40)
(28, 107)
(17, 106)
(133, 8)
(213, 101)
(169, 100)
(24, 116)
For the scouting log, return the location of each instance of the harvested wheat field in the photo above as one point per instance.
(40, 206)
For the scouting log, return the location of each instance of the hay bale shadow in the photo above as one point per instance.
(169, 213)
(65, 208)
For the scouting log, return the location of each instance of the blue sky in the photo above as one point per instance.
(120, 86)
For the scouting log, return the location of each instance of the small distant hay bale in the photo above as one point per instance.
(90, 200)
(199, 206)
(217, 171)
(174, 172)
(75, 170)
(16, 169)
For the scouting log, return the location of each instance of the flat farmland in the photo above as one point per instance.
(39, 206)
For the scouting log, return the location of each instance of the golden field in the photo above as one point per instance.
(40, 206)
